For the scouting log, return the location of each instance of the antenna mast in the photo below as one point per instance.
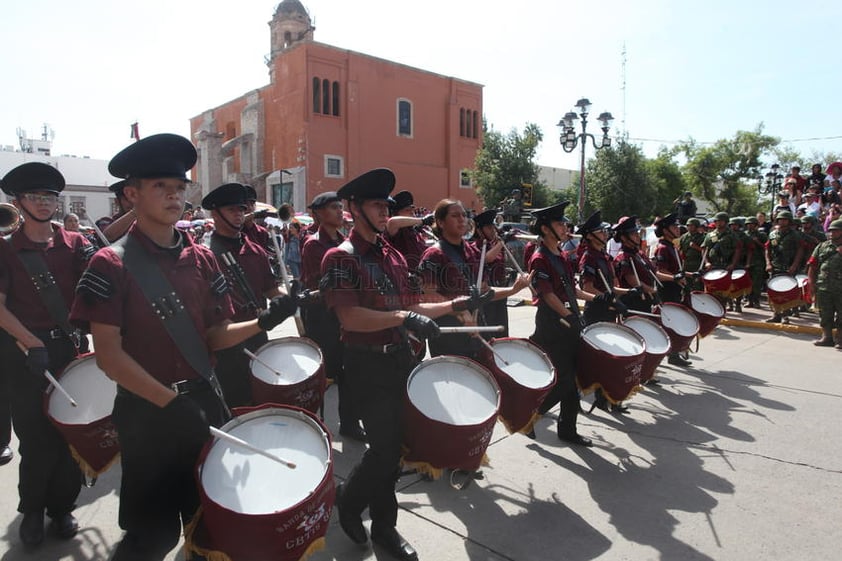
(623, 88)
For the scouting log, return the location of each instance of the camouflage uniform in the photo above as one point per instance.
(756, 261)
(827, 262)
(783, 248)
(692, 257)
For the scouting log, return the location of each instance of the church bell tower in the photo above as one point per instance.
(290, 25)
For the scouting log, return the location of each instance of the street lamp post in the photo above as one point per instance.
(771, 186)
(569, 139)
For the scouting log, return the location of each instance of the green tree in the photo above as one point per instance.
(504, 162)
(620, 183)
(667, 180)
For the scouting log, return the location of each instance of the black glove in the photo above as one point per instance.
(38, 360)
(280, 308)
(678, 276)
(472, 302)
(187, 419)
(428, 220)
(574, 322)
(606, 297)
(421, 325)
(621, 308)
(308, 297)
(635, 291)
(695, 274)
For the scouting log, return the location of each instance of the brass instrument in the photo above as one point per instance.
(9, 218)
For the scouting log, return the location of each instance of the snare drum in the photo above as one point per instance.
(657, 344)
(708, 310)
(611, 357)
(451, 407)
(87, 428)
(256, 508)
(717, 281)
(302, 375)
(784, 293)
(740, 283)
(680, 324)
(525, 379)
(805, 288)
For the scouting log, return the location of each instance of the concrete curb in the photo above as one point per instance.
(789, 328)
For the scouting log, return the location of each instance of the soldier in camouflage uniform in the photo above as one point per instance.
(825, 271)
(784, 251)
(812, 237)
(736, 225)
(755, 260)
(690, 245)
(724, 249)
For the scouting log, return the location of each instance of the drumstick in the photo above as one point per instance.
(495, 353)
(299, 323)
(222, 435)
(254, 357)
(608, 287)
(51, 379)
(472, 329)
(639, 313)
(517, 266)
(704, 257)
(100, 235)
(479, 274)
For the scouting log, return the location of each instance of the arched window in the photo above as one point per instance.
(326, 96)
(461, 121)
(404, 117)
(476, 123)
(336, 99)
(287, 39)
(317, 88)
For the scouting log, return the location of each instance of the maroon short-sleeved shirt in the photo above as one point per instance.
(495, 270)
(450, 278)
(351, 281)
(255, 264)
(259, 235)
(547, 278)
(591, 263)
(410, 243)
(66, 255)
(108, 294)
(312, 254)
(642, 265)
(666, 257)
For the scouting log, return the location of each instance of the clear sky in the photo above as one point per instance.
(90, 68)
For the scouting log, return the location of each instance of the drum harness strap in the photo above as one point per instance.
(169, 308)
(555, 261)
(48, 291)
(227, 259)
(457, 259)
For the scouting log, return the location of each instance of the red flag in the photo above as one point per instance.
(135, 132)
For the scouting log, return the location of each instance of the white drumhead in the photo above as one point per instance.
(715, 274)
(706, 304)
(657, 340)
(248, 483)
(680, 320)
(614, 339)
(93, 391)
(782, 283)
(527, 365)
(802, 280)
(295, 358)
(738, 273)
(453, 390)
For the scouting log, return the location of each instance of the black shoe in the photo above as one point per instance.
(353, 431)
(351, 524)
(530, 434)
(619, 408)
(738, 308)
(774, 319)
(6, 455)
(601, 402)
(32, 528)
(395, 544)
(824, 342)
(653, 381)
(575, 438)
(65, 526)
(676, 360)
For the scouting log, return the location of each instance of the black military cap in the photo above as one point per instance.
(32, 176)
(550, 213)
(485, 218)
(402, 199)
(626, 225)
(117, 188)
(592, 224)
(251, 194)
(323, 199)
(159, 155)
(373, 184)
(670, 219)
(225, 195)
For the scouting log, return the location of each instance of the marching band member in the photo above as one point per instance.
(251, 229)
(755, 260)
(157, 305)
(669, 268)
(690, 245)
(558, 322)
(825, 271)
(122, 221)
(40, 265)
(497, 311)
(784, 252)
(402, 230)
(249, 276)
(366, 282)
(632, 268)
(724, 250)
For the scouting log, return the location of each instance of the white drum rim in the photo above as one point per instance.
(610, 326)
(777, 279)
(474, 365)
(738, 273)
(666, 343)
(526, 343)
(58, 403)
(715, 274)
(682, 312)
(274, 380)
(707, 298)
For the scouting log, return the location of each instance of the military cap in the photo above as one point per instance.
(592, 224)
(784, 214)
(694, 222)
(809, 218)
(550, 213)
(32, 176)
(485, 218)
(225, 195)
(323, 199)
(117, 188)
(373, 184)
(402, 199)
(736, 220)
(835, 225)
(626, 224)
(251, 194)
(721, 216)
(666, 221)
(160, 155)
(752, 220)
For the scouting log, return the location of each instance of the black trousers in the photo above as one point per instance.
(322, 326)
(496, 313)
(456, 344)
(377, 385)
(562, 347)
(158, 490)
(49, 476)
(232, 370)
(5, 403)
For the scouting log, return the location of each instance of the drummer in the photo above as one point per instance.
(634, 271)
(723, 250)
(755, 259)
(251, 229)
(736, 225)
(249, 289)
(670, 269)
(40, 339)
(366, 282)
(558, 322)
(690, 245)
(825, 272)
(404, 229)
(166, 395)
(784, 252)
(496, 312)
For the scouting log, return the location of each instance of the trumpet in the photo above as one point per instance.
(9, 218)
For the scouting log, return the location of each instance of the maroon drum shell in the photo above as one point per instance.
(740, 283)
(805, 287)
(717, 281)
(443, 445)
(307, 393)
(518, 403)
(784, 293)
(680, 341)
(652, 356)
(707, 322)
(94, 443)
(284, 535)
(617, 375)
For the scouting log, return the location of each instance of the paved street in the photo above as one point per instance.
(737, 457)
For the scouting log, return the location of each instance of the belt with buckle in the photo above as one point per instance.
(188, 386)
(387, 349)
(55, 333)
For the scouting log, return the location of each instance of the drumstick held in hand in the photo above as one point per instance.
(639, 313)
(222, 435)
(254, 357)
(471, 329)
(51, 379)
(495, 353)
